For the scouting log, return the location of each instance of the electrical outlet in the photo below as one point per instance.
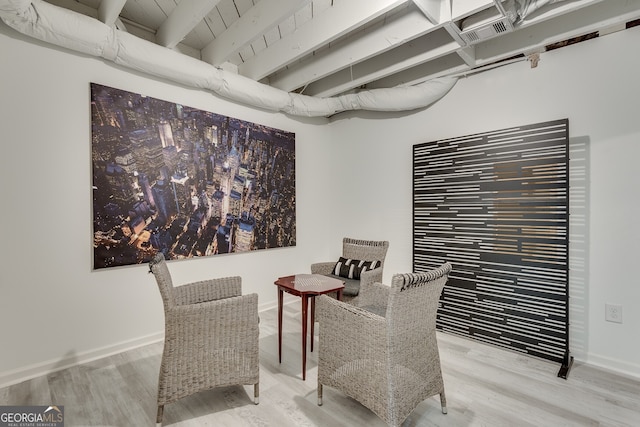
(613, 313)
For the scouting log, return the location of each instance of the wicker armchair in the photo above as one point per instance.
(211, 336)
(384, 352)
(366, 250)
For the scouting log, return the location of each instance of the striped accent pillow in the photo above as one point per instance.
(353, 268)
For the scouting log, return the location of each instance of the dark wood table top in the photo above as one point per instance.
(313, 284)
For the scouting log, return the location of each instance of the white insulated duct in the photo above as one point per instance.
(518, 10)
(83, 34)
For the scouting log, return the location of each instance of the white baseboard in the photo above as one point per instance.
(288, 299)
(267, 306)
(620, 367)
(35, 370)
(25, 373)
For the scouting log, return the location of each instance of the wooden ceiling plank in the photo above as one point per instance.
(272, 36)
(254, 23)
(215, 23)
(183, 19)
(343, 17)
(228, 11)
(199, 37)
(304, 15)
(246, 52)
(145, 14)
(243, 6)
(287, 27)
(320, 5)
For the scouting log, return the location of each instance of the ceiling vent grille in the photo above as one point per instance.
(482, 27)
(500, 27)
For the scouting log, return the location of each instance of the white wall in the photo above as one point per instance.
(353, 178)
(595, 85)
(54, 309)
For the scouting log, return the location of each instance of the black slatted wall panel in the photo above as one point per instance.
(495, 205)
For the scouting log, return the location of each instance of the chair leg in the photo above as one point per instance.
(256, 393)
(159, 416)
(319, 394)
(443, 402)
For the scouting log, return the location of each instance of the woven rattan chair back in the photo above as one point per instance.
(370, 250)
(158, 266)
(211, 336)
(416, 293)
(383, 352)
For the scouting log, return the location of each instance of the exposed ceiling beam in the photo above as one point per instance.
(528, 37)
(254, 23)
(468, 55)
(422, 49)
(184, 18)
(336, 21)
(109, 11)
(439, 67)
(461, 9)
(385, 35)
(562, 27)
(431, 9)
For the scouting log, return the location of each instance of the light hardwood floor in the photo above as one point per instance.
(485, 386)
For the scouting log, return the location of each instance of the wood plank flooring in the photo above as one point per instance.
(485, 386)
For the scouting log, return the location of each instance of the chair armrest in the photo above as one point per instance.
(374, 295)
(322, 267)
(370, 276)
(366, 278)
(208, 290)
(229, 321)
(355, 330)
(213, 342)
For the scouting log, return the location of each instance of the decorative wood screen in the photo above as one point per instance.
(496, 205)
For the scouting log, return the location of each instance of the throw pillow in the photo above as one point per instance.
(353, 268)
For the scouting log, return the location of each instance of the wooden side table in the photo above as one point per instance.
(304, 286)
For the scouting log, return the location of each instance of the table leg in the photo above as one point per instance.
(280, 294)
(340, 295)
(313, 318)
(305, 304)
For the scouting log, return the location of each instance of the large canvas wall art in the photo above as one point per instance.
(186, 182)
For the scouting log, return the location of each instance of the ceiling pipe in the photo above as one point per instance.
(86, 35)
(518, 10)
